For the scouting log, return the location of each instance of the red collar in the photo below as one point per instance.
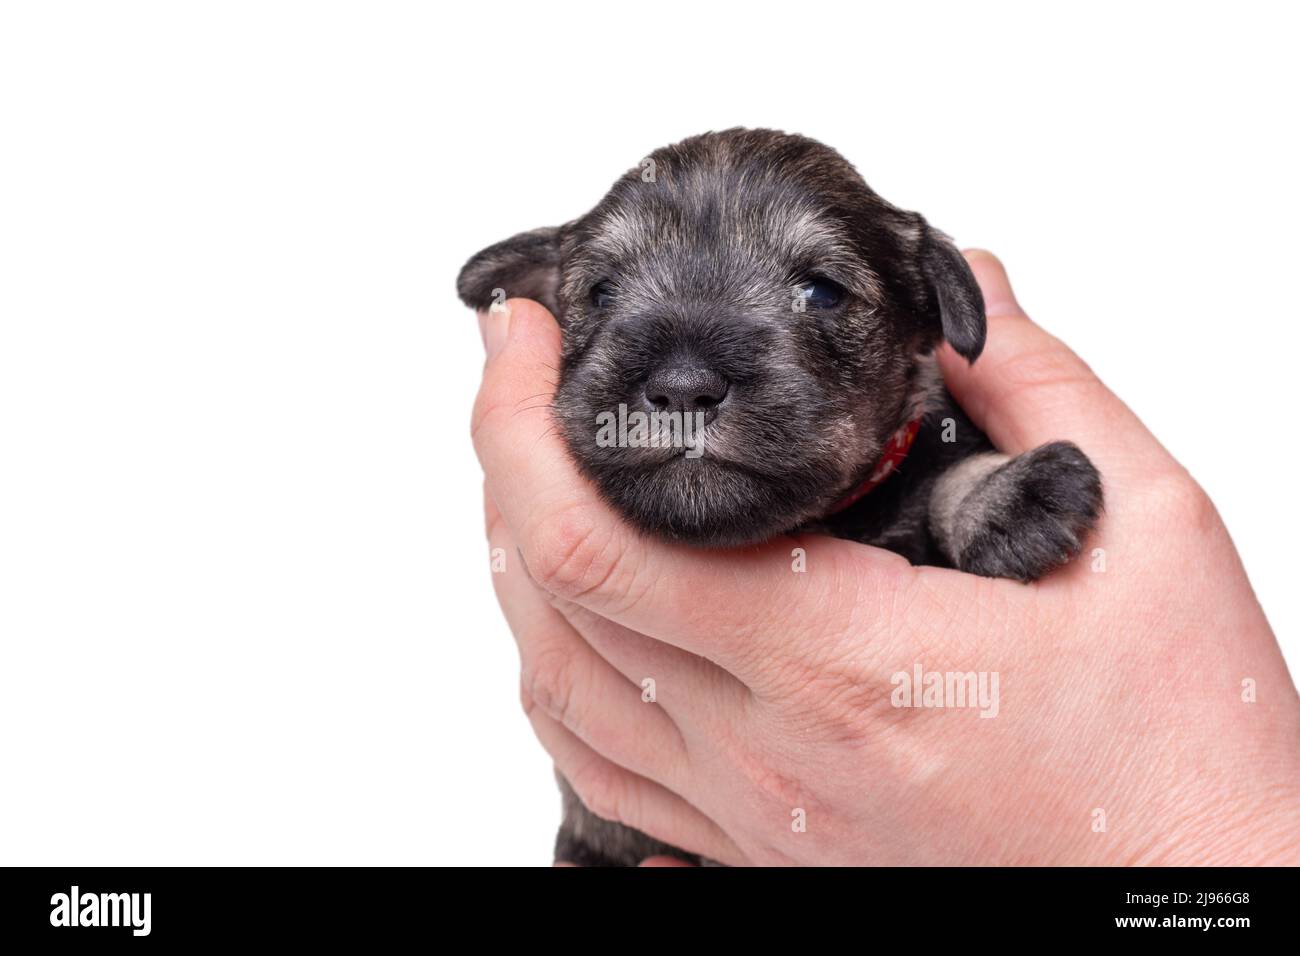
(895, 451)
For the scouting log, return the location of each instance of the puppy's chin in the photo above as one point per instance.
(705, 502)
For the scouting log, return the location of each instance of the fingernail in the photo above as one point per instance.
(494, 324)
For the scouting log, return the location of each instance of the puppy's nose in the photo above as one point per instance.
(678, 388)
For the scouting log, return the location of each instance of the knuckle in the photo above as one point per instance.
(489, 408)
(494, 525)
(770, 779)
(547, 682)
(1177, 499)
(600, 788)
(573, 554)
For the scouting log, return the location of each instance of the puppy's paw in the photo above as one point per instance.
(1031, 514)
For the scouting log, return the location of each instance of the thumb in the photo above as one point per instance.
(999, 300)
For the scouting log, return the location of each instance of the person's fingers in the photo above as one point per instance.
(693, 691)
(1027, 389)
(576, 547)
(682, 683)
(613, 792)
(564, 677)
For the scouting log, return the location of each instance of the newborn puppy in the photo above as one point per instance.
(749, 336)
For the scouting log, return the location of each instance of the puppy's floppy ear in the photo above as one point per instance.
(956, 293)
(525, 266)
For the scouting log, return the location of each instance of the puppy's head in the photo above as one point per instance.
(745, 326)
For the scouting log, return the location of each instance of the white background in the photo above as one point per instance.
(245, 608)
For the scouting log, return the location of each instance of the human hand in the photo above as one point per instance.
(1123, 734)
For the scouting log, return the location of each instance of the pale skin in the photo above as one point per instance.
(1124, 734)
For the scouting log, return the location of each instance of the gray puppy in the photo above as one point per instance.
(750, 283)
